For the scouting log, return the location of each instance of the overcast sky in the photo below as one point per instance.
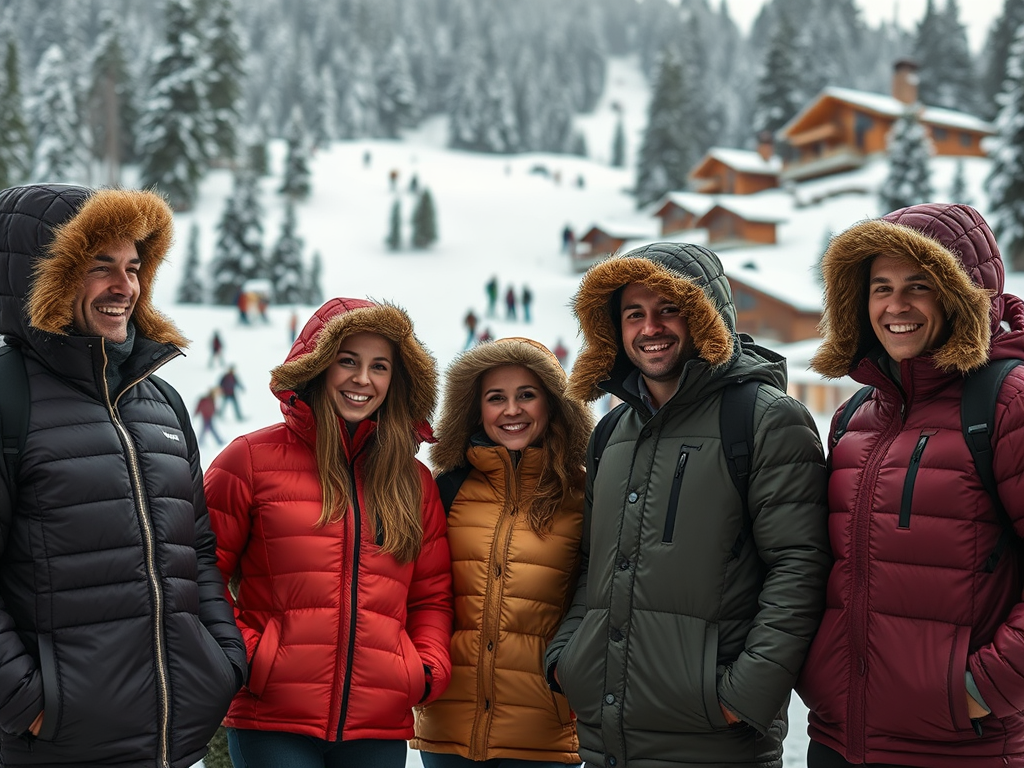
(977, 15)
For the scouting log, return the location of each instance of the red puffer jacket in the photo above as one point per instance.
(909, 607)
(337, 634)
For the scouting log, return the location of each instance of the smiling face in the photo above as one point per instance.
(360, 376)
(105, 299)
(904, 308)
(656, 338)
(513, 407)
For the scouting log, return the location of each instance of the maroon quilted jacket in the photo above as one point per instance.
(909, 608)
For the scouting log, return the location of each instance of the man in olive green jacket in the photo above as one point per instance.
(691, 619)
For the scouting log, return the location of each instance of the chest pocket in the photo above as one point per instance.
(907, 499)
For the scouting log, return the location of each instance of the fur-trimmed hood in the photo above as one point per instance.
(689, 275)
(50, 234)
(317, 344)
(954, 245)
(462, 387)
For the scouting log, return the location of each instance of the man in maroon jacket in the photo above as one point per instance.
(919, 660)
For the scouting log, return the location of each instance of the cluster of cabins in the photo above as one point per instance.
(739, 198)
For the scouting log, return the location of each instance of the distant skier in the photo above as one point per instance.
(492, 295)
(527, 301)
(510, 303)
(293, 327)
(470, 321)
(229, 388)
(216, 349)
(568, 240)
(561, 353)
(207, 409)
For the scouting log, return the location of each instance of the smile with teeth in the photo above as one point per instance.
(513, 427)
(354, 397)
(903, 327)
(653, 348)
(112, 311)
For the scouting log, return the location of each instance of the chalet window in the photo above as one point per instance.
(861, 125)
(745, 301)
(966, 140)
(940, 134)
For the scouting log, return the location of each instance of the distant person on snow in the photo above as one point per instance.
(117, 646)
(527, 302)
(206, 409)
(491, 289)
(216, 349)
(229, 388)
(338, 534)
(470, 321)
(510, 303)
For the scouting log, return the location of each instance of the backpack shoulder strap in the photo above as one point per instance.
(855, 402)
(604, 428)
(977, 420)
(448, 484)
(14, 411)
(736, 422)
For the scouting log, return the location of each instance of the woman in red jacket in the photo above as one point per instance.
(332, 538)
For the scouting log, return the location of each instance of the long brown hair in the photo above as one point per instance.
(391, 489)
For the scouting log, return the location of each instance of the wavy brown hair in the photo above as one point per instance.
(564, 444)
(392, 489)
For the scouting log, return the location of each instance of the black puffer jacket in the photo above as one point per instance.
(112, 619)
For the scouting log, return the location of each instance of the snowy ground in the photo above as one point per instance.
(496, 216)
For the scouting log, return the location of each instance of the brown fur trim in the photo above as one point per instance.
(108, 216)
(844, 324)
(711, 336)
(454, 429)
(389, 321)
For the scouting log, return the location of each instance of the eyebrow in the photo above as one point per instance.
(110, 259)
(350, 353)
(920, 276)
(524, 387)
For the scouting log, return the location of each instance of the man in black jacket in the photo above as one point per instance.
(117, 646)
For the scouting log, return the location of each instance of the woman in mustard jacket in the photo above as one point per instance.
(517, 444)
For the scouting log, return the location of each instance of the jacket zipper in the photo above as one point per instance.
(908, 484)
(673, 498)
(859, 557)
(492, 614)
(353, 598)
(149, 549)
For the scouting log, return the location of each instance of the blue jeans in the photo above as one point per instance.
(436, 760)
(278, 749)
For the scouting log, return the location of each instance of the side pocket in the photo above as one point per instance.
(51, 693)
(709, 678)
(414, 669)
(957, 684)
(263, 658)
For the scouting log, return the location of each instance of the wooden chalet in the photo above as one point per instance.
(766, 313)
(603, 240)
(736, 171)
(680, 211)
(842, 127)
(739, 222)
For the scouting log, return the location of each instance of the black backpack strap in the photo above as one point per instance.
(603, 430)
(977, 420)
(736, 422)
(14, 408)
(448, 483)
(855, 402)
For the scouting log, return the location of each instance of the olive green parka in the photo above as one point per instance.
(667, 623)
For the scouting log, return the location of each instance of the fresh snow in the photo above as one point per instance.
(496, 215)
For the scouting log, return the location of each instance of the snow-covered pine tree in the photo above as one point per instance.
(174, 136)
(997, 53)
(314, 290)
(286, 270)
(394, 238)
(255, 138)
(358, 113)
(424, 222)
(958, 187)
(296, 183)
(670, 144)
(1006, 179)
(190, 290)
(325, 128)
(396, 91)
(112, 115)
(946, 69)
(15, 145)
(224, 78)
(909, 150)
(779, 88)
(467, 95)
(59, 152)
(238, 255)
(619, 144)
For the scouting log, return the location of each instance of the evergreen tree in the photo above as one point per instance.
(619, 145)
(59, 154)
(174, 137)
(111, 105)
(958, 188)
(394, 238)
(257, 156)
(779, 95)
(224, 78)
(296, 165)
(325, 129)
(286, 270)
(190, 291)
(670, 146)
(396, 91)
(314, 291)
(997, 53)
(238, 255)
(946, 69)
(424, 222)
(1006, 179)
(15, 145)
(909, 151)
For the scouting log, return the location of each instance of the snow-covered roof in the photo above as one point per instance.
(745, 160)
(637, 229)
(771, 206)
(696, 203)
(893, 107)
(797, 288)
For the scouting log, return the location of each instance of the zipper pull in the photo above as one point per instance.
(681, 464)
